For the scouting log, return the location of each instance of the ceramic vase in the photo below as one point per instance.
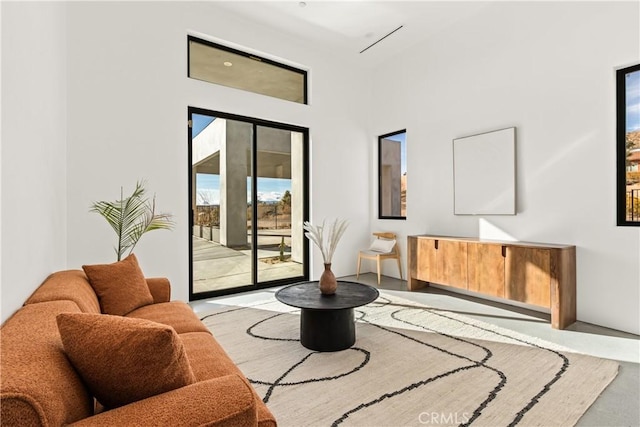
(328, 282)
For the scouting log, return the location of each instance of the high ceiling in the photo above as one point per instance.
(349, 27)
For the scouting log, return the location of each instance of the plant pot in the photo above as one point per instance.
(328, 283)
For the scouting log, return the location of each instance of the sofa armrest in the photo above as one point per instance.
(160, 289)
(221, 402)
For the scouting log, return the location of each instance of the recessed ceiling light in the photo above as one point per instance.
(227, 64)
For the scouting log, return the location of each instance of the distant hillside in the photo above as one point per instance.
(635, 137)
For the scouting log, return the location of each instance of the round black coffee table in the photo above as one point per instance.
(327, 322)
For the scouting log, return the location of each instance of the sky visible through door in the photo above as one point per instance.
(271, 190)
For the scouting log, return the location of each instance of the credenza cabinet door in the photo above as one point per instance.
(486, 268)
(527, 275)
(452, 263)
(426, 260)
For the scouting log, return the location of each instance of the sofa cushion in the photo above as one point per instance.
(160, 289)
(123, 360)
(67, 285)
(207, 357)
(220, 402)
(121, 286)
(38, 384)
(209, 360)
(176, 314)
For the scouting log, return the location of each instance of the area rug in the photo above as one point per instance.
(411, 365)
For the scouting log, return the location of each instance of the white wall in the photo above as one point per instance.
(128, 98)
(548, 69)
(34, 119)
(116, 75)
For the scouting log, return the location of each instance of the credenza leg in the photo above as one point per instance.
(415, 284)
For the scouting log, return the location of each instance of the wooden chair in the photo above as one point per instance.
(383, 247)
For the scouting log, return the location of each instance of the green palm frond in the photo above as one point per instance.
(132, 217)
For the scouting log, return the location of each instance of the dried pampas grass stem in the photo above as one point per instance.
(326, 237)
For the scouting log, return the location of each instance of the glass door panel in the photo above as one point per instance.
(280, 195)
(221, 204)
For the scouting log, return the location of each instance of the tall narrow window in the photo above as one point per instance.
(628, 143)
(392, 175)
(215, 63)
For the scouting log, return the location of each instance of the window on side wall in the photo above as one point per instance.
(392, 175)
(628, 145)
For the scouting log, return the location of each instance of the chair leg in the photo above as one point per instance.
(358, 270)
(378, 262)
(400, 268)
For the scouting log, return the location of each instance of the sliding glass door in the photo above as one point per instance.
(248, 201)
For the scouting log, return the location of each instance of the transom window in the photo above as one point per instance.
(215, 63)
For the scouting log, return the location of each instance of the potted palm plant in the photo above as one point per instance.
(131, 217)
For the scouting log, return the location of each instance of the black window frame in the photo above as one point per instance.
(380, 138)
(255, 122)
(621, 132)
(250, 56)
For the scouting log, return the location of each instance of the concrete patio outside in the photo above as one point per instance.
(216, 267)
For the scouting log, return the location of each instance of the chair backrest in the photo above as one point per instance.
(385, 235)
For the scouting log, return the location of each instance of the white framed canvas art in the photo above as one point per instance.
(484, 169)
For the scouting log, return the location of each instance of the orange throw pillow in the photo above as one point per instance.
(122, 359)
(121, 286)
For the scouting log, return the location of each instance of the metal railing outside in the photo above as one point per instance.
(633, 205)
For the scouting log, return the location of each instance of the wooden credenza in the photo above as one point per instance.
(534, 273)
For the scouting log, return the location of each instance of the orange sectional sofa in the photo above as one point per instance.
(41, 387)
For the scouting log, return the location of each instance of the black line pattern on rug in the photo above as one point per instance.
(474, 364)
(237, 308)
(250, 332)
(383, 303)
(410, 387)
(493, 393)
(378, 303)
(535, 399)
(217, 313)
(545, 389)
(279, 382)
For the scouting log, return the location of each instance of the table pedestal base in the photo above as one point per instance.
(327, 330)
